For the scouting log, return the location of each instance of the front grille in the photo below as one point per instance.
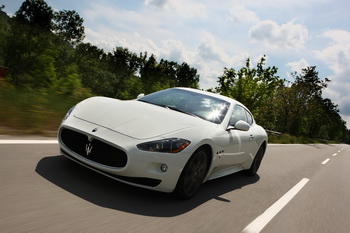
(94, 149)
(136, 180)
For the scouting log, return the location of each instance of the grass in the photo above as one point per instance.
(28, 111)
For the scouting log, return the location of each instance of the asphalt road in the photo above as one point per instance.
(300, 188)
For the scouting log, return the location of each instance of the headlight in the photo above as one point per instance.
(68, 113)
(171, 145)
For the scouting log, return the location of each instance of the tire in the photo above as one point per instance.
(193, 175)
(257, 161)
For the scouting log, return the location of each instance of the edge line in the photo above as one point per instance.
(26, 142)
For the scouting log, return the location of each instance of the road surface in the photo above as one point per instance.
(300, 188)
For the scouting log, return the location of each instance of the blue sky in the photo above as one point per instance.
(210, 35)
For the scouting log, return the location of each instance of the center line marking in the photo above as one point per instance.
(260, 222)
(326, 161)
(334, 154)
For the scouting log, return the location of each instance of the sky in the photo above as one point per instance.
(210, 35)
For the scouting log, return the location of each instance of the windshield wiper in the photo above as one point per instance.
(169, 107)
(141, 100)
(179, 110)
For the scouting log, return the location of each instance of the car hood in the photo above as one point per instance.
(133, 118)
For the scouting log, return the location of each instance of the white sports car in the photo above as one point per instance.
(171, 140)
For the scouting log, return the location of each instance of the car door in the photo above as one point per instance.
(238, 144)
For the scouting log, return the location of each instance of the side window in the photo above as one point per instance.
(249, 117)
(239, 113)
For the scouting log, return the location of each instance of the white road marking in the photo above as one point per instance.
(11, 142)
(260, 222)
(326, 161)
(335, 154)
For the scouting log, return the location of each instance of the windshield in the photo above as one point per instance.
(206, 107)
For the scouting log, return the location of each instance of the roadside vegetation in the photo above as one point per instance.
(289, 139)
(45, 68)
(29, 111)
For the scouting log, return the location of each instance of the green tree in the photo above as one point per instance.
(43, 72)
(169, 72)
(331, 126)
(124, 65)
(300, 109)
(151, 76)
(22, 52)
(35, 55)
(186, 76)
(28, 41)
(37, 13)
(4, 33)
(69, 26)
(306, 101)
(90, 61)
(254, 87)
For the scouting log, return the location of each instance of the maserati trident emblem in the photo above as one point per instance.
(88, 147)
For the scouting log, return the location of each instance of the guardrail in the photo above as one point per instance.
(273, 132)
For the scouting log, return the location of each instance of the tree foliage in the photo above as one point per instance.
(36, 13)
(296, 108)
(252, 86)
(69, 26)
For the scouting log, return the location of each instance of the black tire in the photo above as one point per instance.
(193, 175)
(257, 161)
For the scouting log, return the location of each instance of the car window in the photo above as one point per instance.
(239, 113)
(249, 117)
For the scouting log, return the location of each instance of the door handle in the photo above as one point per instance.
(251, 137)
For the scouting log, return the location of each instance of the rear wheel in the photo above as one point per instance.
(193, 175)
(257, 161)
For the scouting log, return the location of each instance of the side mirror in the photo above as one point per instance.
(140, 96)
(240, 125)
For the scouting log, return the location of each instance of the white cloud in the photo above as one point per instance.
(185, 8)
(239, 14)
(337, 54)
(345, 104)
(156, 3)
(285, 4)
(208, 50)
(297, 66)
(337, 57)
(286, 36)
(210, 60)
(174, 50)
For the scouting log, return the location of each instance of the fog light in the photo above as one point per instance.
(163, 167)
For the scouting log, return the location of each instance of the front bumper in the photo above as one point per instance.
(132, 180)
(116, 156)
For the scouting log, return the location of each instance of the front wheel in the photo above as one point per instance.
(257, 161)
(193, 175)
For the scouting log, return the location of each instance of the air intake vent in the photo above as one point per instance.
(94, 149)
